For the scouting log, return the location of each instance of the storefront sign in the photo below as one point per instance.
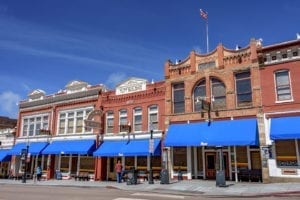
(286, 171)
(132, 85)
(92, 124)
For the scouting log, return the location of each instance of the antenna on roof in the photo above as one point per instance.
(298, 36)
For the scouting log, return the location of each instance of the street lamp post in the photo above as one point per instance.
(151, 148)
(24, 158)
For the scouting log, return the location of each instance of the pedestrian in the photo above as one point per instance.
(38, 172)
(118, 169)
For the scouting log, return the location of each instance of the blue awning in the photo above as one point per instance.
(140, 147)
(4, 157)
(240, 132)
(35, 148)
(184, 135)
(136, 147)
(284, 128)
(78, 147)
(111, 148)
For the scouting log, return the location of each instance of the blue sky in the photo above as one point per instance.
(44, 44)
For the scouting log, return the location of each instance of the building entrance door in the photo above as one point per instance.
(210, 164)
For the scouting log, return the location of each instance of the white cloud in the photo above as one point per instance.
(115, 78)
(8, 103)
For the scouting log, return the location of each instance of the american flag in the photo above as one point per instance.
(203, 14)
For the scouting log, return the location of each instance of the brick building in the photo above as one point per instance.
(213, 111)
(131, 114)
(7, 136)
(51, 128)
(280, 86)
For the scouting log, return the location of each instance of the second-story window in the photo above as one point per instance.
(153, 117)
(123, 120)
(110, 122)
(199, 94)
(71, 122)
(178, 98)
(33, 124)
(137, 119)
(283, 88)
(218, 92)
(243, 89)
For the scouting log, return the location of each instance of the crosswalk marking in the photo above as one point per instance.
(158, 195)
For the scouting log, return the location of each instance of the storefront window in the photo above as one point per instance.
(64, 164)
(129, 163)
(286, 154)
(142, 163)
(87, 163)
(179, 158)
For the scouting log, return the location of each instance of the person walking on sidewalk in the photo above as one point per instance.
(38, 172)
(118, 169)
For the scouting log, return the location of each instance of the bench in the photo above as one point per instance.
(82, 176)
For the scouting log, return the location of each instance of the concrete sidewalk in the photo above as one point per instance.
(192, 187)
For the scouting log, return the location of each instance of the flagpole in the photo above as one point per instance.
(207, 46)
(204, 15)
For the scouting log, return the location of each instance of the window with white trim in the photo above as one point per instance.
(109, 121)
(283, 88)
(123, 120)
(33, 124)
(137, 119)
(153, 117)
(72, 121)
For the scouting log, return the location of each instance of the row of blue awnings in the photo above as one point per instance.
(138, 147)
(127, 148)
(241, 132)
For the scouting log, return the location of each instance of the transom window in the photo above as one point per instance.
(178, 98)
(33, 124)
(110, 122)
(137, 119)
(218, 94)
(283, 88)
(153, 117)
(243, 89)
(71, 122)
(199, 94)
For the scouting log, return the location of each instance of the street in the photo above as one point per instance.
(38, 192)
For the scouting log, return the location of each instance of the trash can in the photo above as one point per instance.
(164, 176)
(58, 175)
(220, 178)
(179, 175)
(132, 177)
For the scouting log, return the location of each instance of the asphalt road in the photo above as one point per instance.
(37, 192)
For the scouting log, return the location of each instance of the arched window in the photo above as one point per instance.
(218, 94)
(199, 94)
